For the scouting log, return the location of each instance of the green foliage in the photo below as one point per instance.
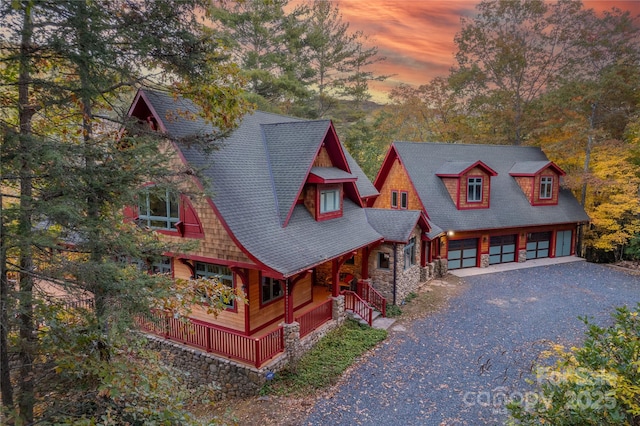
(393, 311)
(324, 364)
(596, 384)
(633, 248)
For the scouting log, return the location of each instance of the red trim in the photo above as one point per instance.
(229, 263)
(478, 163)
(283, 283)
(387, 164)
(199, 184)
(313, 178)
(329, 215)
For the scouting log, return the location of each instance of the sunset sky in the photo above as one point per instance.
(416, 36)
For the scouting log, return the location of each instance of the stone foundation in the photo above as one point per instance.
(484, 260)
(234, 379)
(522, 256)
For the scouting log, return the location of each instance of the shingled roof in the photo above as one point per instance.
(509, 207)
(256, 176)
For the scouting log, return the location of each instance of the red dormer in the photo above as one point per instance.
(539, 181)
(468, 184)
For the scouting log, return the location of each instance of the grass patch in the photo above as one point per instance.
(410, 297)
(393, 311)
(323, 365)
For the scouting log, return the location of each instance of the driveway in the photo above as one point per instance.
(454, 367)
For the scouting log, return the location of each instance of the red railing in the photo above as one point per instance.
(353, 302)
(251, 350)
(372, 296)
(313, 319)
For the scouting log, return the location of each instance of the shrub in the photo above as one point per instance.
(596, 384)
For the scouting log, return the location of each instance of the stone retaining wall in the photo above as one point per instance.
(233, 379)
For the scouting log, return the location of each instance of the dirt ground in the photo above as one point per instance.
(292, 411)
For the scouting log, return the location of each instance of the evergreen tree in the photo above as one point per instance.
(69, 68)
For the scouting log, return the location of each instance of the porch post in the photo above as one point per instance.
(335, 278)
(288, 298)
(365, 263)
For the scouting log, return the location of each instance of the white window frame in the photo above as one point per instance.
(172, 209)
(410, 253)
(474, 190)
(269, 284)
(404, 200)
(220, 272)
(325, 207)
(546, 187)
(394, 199)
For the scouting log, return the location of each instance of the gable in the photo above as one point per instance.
(393, 178)
(535, 177)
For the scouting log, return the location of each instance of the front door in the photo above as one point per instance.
(563, 243)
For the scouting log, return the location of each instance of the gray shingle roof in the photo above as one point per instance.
(255, 177)
(365, 187)
(454, 167)
(509, 207)
(528, 167)
(394, 225)
(332, 173)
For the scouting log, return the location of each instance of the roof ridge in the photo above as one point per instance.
(465, 144)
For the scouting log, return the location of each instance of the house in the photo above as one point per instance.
(285, 221)
(495, 204)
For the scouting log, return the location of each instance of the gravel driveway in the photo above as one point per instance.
(450, 367)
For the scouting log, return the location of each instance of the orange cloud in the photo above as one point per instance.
(417, 36)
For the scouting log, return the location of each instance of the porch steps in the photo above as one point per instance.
(378, 321)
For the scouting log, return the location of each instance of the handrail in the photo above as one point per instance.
(209, 337)
(354, 303)
(314, 318)
(372, 296)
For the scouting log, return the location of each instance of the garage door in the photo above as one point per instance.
(563, 243)
(538, 244)
(463, 253)
(502, 249)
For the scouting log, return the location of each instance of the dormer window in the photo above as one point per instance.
(159, 210)
(329, 200)
(546, 187)
(474, 190)
(468, 183)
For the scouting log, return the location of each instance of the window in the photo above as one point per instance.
(329, 200)
(383, 260)
(394, 199)
(404, 200)
(546, 187)
(220, 272)
(272, 289)
(350, 261)
(161, 266)
(474, 190)
(159, 211)
(410, 253)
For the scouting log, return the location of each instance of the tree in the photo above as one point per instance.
(596, 384)
(265, 42)
(508, 56)
(67, 68)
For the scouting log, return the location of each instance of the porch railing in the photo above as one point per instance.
(208, 337)
(313, 319)
(354, 303)
(372, 296)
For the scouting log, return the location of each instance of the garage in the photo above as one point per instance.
(538, 244)
(502, 249)
(463, 253)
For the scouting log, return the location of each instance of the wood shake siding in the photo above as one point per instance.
(262, 316)
(226, 318)
(486, 185)
(323, 159)
(397, 180)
